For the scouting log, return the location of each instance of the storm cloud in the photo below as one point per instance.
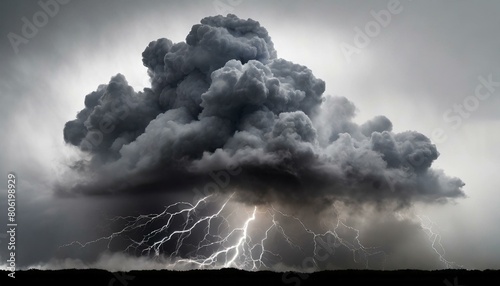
(223, 99)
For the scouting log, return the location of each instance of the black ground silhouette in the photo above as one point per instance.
(240, 277)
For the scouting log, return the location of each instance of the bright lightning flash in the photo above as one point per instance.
(435, 238)
(174, 235)
(229, 240)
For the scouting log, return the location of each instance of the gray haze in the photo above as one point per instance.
(349, 124)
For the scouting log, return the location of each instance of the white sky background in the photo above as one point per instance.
(427, 59)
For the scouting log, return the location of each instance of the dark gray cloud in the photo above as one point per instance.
(223, 98)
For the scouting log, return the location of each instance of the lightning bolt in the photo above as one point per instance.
(226, 240)
(242, 245)
(142, 221)
(355, 246)
(435, 238)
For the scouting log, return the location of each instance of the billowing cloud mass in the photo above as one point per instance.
(223, 100)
